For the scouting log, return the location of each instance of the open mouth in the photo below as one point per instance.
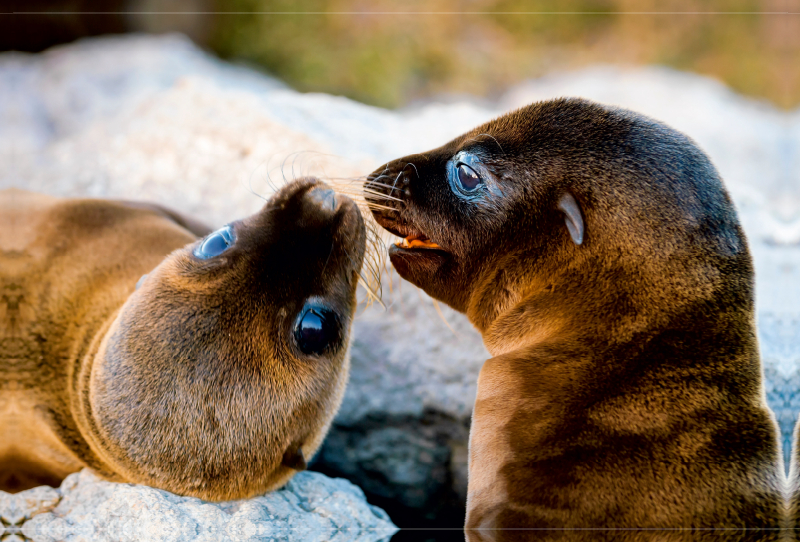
(412, 238)
(417, 241)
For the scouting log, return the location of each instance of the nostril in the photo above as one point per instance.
(324, 197)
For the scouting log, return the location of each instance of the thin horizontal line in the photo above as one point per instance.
(401, 13)
(637, 529)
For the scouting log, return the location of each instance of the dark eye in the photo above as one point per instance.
(316, 330)
(215, 244)
(468, 178)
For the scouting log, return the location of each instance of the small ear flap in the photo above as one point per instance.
(294, 459)
(141, 281)
(574, 220)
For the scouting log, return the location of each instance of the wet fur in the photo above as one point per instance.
(625, 391)
(190, 383)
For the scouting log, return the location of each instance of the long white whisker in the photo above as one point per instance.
(390, 187)
(382, 195)
(378, 206)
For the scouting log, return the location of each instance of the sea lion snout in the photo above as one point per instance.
(325, 197)
(388, 187)
(308, 204)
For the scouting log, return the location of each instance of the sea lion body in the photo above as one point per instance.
(601, 258)
(133, 348)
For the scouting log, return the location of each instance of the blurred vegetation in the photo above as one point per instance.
(377, 52)
(354, 48)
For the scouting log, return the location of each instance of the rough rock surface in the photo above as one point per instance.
(311, 507)
(155, 118)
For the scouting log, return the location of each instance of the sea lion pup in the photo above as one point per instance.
(599, 255)
(215, 376)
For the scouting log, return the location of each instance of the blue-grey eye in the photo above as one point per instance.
(467, 177)
(317, 329)
(215, 243)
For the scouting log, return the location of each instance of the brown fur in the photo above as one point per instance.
(794, 485)
(625, 391)
(191, 383)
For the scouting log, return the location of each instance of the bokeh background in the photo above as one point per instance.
(151, 117)
(391, 53)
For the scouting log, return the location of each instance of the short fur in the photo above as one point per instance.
(191, 383)
(625, 391)
(794, 485)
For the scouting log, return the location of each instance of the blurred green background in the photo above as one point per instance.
(379, 53)
(390, 60)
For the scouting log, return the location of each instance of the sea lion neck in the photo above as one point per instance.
(616, 338)
(552, 312)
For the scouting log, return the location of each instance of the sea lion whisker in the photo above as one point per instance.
(372, 287)
(249, 185)
(381, 195)
(365, 203)
(372, 294)
(294, 161)
(283, 166)
(412, 165)
(378, 206)
(397, 179)
(352, 191)
(372, 261)
(385, 170)
(376, 179)
(372, 297)
(295, 156)
(359, 179)
(488, 135)
(390, 187)
(272, 183)
(383, 174)
(375, 245)
(441, 315)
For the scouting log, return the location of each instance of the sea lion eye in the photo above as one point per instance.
(215, 244)
(468, 178)
(316, 329)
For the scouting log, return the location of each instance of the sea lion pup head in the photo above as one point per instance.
(222, 372)
(565, 214)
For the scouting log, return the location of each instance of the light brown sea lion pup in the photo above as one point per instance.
(214, 376)
(602, 260)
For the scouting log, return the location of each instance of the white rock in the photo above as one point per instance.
(310, 507)
(18, 507)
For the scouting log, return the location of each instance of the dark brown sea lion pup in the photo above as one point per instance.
(602, 260)
(215, 376)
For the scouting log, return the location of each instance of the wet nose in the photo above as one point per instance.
(324, 197)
